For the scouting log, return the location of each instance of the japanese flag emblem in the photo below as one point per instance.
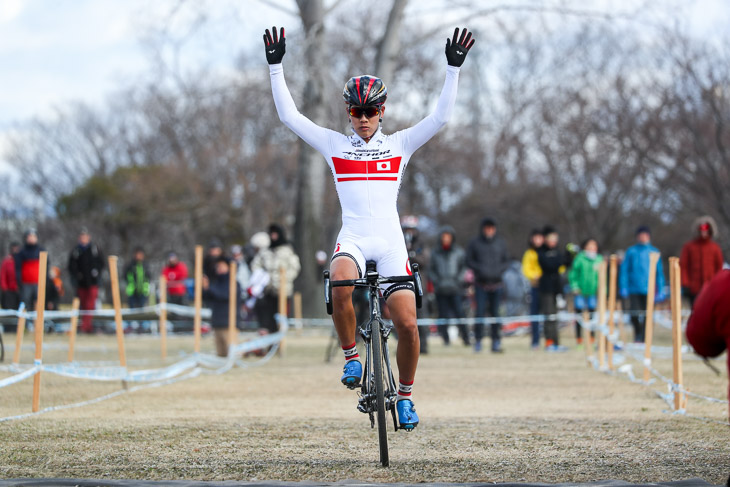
(383, 166)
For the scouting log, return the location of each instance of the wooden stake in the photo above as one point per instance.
(72, 330)
(198, 296)
(676, 302)
(282, 305)
(587, 340)
(621, 327)
(601, 315)
(232, 304)
(39, 326)
(117, 302)
(19, 334)
(649, 322)
(611, 306)
(298, 311)
(163, 317)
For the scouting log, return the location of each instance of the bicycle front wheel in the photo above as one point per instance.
(377, 341)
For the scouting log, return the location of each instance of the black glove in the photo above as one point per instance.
(456, 51)
(275, 47)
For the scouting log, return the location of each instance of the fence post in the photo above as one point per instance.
(117, 302)
(649, 323)
(587, 343)
(611, 307)
(163, 317)
(40, 307)
(298, 311)
(72, 330)
(232, 304)
(282, 305)
(601, 315)
(19, 333)
(198, 296)
(621, 327)
(676, 307)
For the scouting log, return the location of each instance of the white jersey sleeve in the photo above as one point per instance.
(314, 135)
(414, 137)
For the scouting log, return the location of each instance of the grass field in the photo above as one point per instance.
(524, 416)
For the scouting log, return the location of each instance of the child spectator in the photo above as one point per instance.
(583, 279)
(532, 271)
(551, 259)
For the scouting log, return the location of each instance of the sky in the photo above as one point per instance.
(53, 52)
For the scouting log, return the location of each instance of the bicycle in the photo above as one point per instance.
(378, 392)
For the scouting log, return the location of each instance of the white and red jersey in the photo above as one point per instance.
(367, 175)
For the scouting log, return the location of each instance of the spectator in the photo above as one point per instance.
(243, 274)
(85, 264)
(216, 292)
(531, 270)
(634, 279)
(487, 256)
(8, 279)
(583, 279)
(138, 280)
(516, 288)
(701, 258)
(215, 250)
(175, 272)
(279, 255)
(448, 265)
(54, 288)
(27, 262)
(708, 328)
(551, 259)
(417, 254)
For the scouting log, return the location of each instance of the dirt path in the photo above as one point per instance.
(525, 416)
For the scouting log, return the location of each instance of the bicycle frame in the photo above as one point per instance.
(366, 402)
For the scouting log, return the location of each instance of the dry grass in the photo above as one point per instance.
(522, 416)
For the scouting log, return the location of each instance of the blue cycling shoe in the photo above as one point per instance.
(407, 416)
(352, 372)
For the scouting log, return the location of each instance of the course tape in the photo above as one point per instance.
(627, 369)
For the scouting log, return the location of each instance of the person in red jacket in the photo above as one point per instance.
(8, 281)
(175, 272)
(27, 265)
(701, 258)
(708, 328)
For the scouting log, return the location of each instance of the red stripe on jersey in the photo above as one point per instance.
(382, 166)
(342, 180)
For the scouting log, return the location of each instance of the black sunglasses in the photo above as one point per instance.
(358, 112)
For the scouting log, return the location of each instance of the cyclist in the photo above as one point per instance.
(368, 167)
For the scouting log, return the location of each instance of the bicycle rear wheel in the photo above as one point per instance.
(377, 342)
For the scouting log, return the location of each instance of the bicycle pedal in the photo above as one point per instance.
(408, 427)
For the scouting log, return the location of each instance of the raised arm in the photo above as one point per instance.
(456, 51)
(310, 132)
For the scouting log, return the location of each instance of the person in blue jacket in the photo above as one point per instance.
(634, 279)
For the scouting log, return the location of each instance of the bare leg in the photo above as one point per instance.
(343, 312)
(402, 305)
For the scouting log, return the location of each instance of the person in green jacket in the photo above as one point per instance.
(583, 279)
(138, 280)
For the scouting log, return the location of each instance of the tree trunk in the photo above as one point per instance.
(310, 186)
(388, 46)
